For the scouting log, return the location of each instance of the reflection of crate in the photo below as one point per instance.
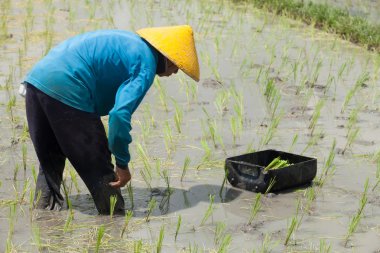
(247, 171)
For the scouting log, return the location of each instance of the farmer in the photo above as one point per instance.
(98, 73)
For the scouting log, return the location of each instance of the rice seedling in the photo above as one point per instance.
(113, 200)
(225, 243)
(37, 237)
(267, 137)
(351, 136)
(162, 94)
(15, 172)
(160, 239)
(270, 186)
(328, 168)
(235, 129)
(25, 188)
(377, 175)
(165, 176)
(146, 179)
(206, 150)
(151, 206)
(291, 228)
(137, 246)
(178, 116)
(74, 179)
(324, 247)
(145, 159)
(354, 222)
(222, 101)
(179, 221)
(353, 118)
(12, 220)
(191, 92)
(127, 219)
(24, 150)
(362, 79)
(168, 138)
(219, 232)
(317, 70)
(70, 218)
(255, 208)
(185, 166)
(316, 115)
(34, 174)
(209, 210)
(130, 194)
(294, 141)
(223, 183)
(313, 141)
(101, 232)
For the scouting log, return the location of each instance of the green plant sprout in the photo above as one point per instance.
(209, 210)
(270, 186)
(316, 115)
(160, 239)
(328, 168)
(168, 138)
(70, 218)
(255, 208)
(324, 247)
(137, 246)
(271, 130)
(37, 237)
(219, 232)
(294, 141)
(185, 167)
(179, 221)
(206, 150)
(130, 194)
(113, 200)
(146, 179)
(74, 179)
(178, 116)
(162, 94)
(127, 219)
(351, 136)
(354, 222)
(291, 228)
(165, 176)
(377, 175)
(221, 102)
(15, 172)
(362, 79)
(101, 232)
(144, 157)
(151, 206)
(225, 244)
(353, 118)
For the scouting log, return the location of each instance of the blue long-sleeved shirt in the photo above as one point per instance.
(102, 72)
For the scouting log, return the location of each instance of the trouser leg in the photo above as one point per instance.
(50, 156)
(82, 139)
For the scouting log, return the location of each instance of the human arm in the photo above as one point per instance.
(128, 97)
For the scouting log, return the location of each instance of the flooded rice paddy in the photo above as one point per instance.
(266, 82)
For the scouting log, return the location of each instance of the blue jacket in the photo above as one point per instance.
(102, 72)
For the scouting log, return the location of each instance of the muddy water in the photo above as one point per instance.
(240, 50)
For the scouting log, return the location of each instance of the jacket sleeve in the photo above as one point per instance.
(128, 97)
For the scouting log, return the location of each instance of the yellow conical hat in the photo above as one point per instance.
(177, 44)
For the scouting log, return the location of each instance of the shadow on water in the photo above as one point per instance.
(178, 199)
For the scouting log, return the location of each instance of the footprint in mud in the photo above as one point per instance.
(211, 83)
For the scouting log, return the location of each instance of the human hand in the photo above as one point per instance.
(122, 177)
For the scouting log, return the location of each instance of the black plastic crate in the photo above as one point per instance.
(247, 171)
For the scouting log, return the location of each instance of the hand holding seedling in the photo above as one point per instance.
(122, 177)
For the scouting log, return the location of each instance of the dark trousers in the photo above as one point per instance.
(59, 131)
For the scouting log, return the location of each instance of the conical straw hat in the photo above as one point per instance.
(177, 44)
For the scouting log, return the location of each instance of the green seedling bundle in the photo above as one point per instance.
(276, 164)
